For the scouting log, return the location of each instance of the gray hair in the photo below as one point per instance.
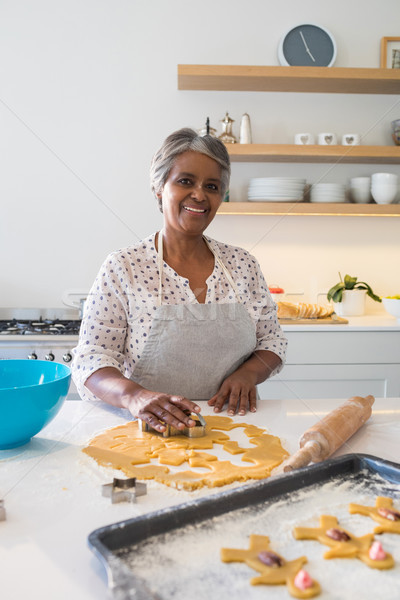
(185, 140)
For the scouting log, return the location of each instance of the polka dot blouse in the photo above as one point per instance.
(123, 299)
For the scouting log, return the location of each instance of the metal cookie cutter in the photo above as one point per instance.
(199, 430)
(124, 490)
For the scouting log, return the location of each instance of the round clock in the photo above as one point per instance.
(307, 45)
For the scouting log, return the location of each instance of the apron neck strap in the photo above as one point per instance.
(160, 264)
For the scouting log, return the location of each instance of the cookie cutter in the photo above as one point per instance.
(2, 511)
(124, 490)
(199, 430)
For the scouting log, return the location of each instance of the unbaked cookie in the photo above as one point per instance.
(273, 568)
(343, 543)
(383, 513)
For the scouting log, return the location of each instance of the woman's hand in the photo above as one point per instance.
(156, 409)
(239, 391)
(239, 388)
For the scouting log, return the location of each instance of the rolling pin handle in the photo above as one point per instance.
(303, 457)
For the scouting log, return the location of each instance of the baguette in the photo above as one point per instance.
(303, 310)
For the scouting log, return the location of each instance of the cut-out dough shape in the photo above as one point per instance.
(353, 547)
(383, 505)
(284, 573)
(125, 447)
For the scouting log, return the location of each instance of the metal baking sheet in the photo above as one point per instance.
(174, 553)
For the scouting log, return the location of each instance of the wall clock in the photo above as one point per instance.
(307, 45)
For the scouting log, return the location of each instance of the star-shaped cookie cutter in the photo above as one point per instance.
(124, 490)
(199, 430)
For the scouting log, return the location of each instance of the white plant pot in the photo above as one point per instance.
(352, 304)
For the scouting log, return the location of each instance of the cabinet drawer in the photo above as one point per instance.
(332, 381)
(342, 347)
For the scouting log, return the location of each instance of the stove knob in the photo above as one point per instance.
(49, 356)
(32, 356)
(67, 357)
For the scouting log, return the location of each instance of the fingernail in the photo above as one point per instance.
(253, 410)
(230, 412)
(241, 413)
(216, 409)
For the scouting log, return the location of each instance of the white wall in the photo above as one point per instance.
(88, 90)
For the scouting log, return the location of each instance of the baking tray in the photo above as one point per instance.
(114, 543)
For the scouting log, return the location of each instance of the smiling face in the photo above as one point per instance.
(192, 193)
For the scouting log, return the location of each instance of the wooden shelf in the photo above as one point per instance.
(334, 80)
(313, 154)
(309, 80)
(309, 209)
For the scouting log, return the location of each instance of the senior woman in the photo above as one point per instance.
(180, 317)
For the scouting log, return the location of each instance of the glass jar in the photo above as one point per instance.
(277, 293)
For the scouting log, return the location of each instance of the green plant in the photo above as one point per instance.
(350, 283)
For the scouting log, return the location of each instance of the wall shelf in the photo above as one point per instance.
(334, 80)
(309, 80)
(313, 154)
(309, 209)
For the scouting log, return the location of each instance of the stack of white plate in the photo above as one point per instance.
(276, 189)
(328, 192)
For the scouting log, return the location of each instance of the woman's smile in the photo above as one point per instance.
(194, 210)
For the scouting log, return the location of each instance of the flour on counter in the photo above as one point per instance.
(186, 562)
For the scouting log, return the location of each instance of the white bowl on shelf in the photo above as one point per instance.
(360, 196)
(384, 194)
(392, 306)
(384, 178)
(360, 190)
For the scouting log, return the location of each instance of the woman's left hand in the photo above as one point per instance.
(239, 391)
(239, 388)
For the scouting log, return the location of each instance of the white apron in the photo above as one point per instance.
(192, 348)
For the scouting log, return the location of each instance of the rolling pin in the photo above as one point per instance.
(331, 432)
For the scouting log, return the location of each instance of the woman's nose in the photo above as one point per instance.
(198, 193)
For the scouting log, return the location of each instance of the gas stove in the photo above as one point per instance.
(39, 334)
(39, 327)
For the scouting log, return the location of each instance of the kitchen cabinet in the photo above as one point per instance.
(338, 362)
(300, 79)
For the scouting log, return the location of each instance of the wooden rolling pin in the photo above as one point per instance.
(331, 432)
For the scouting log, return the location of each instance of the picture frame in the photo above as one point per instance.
(390, 53)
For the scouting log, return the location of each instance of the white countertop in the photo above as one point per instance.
(373, 322)
(52, 492)
(376, 322)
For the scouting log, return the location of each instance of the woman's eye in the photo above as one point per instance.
(213, 187)
(184, 181)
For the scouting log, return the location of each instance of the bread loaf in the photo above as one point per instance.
(303, 310)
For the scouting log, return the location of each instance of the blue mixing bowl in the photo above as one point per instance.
(31, 394)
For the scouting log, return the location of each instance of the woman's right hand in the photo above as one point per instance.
(156, 408)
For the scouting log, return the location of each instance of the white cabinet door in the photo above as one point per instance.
(333, 381)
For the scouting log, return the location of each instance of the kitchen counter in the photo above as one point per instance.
(52, 491)
(376, 322)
